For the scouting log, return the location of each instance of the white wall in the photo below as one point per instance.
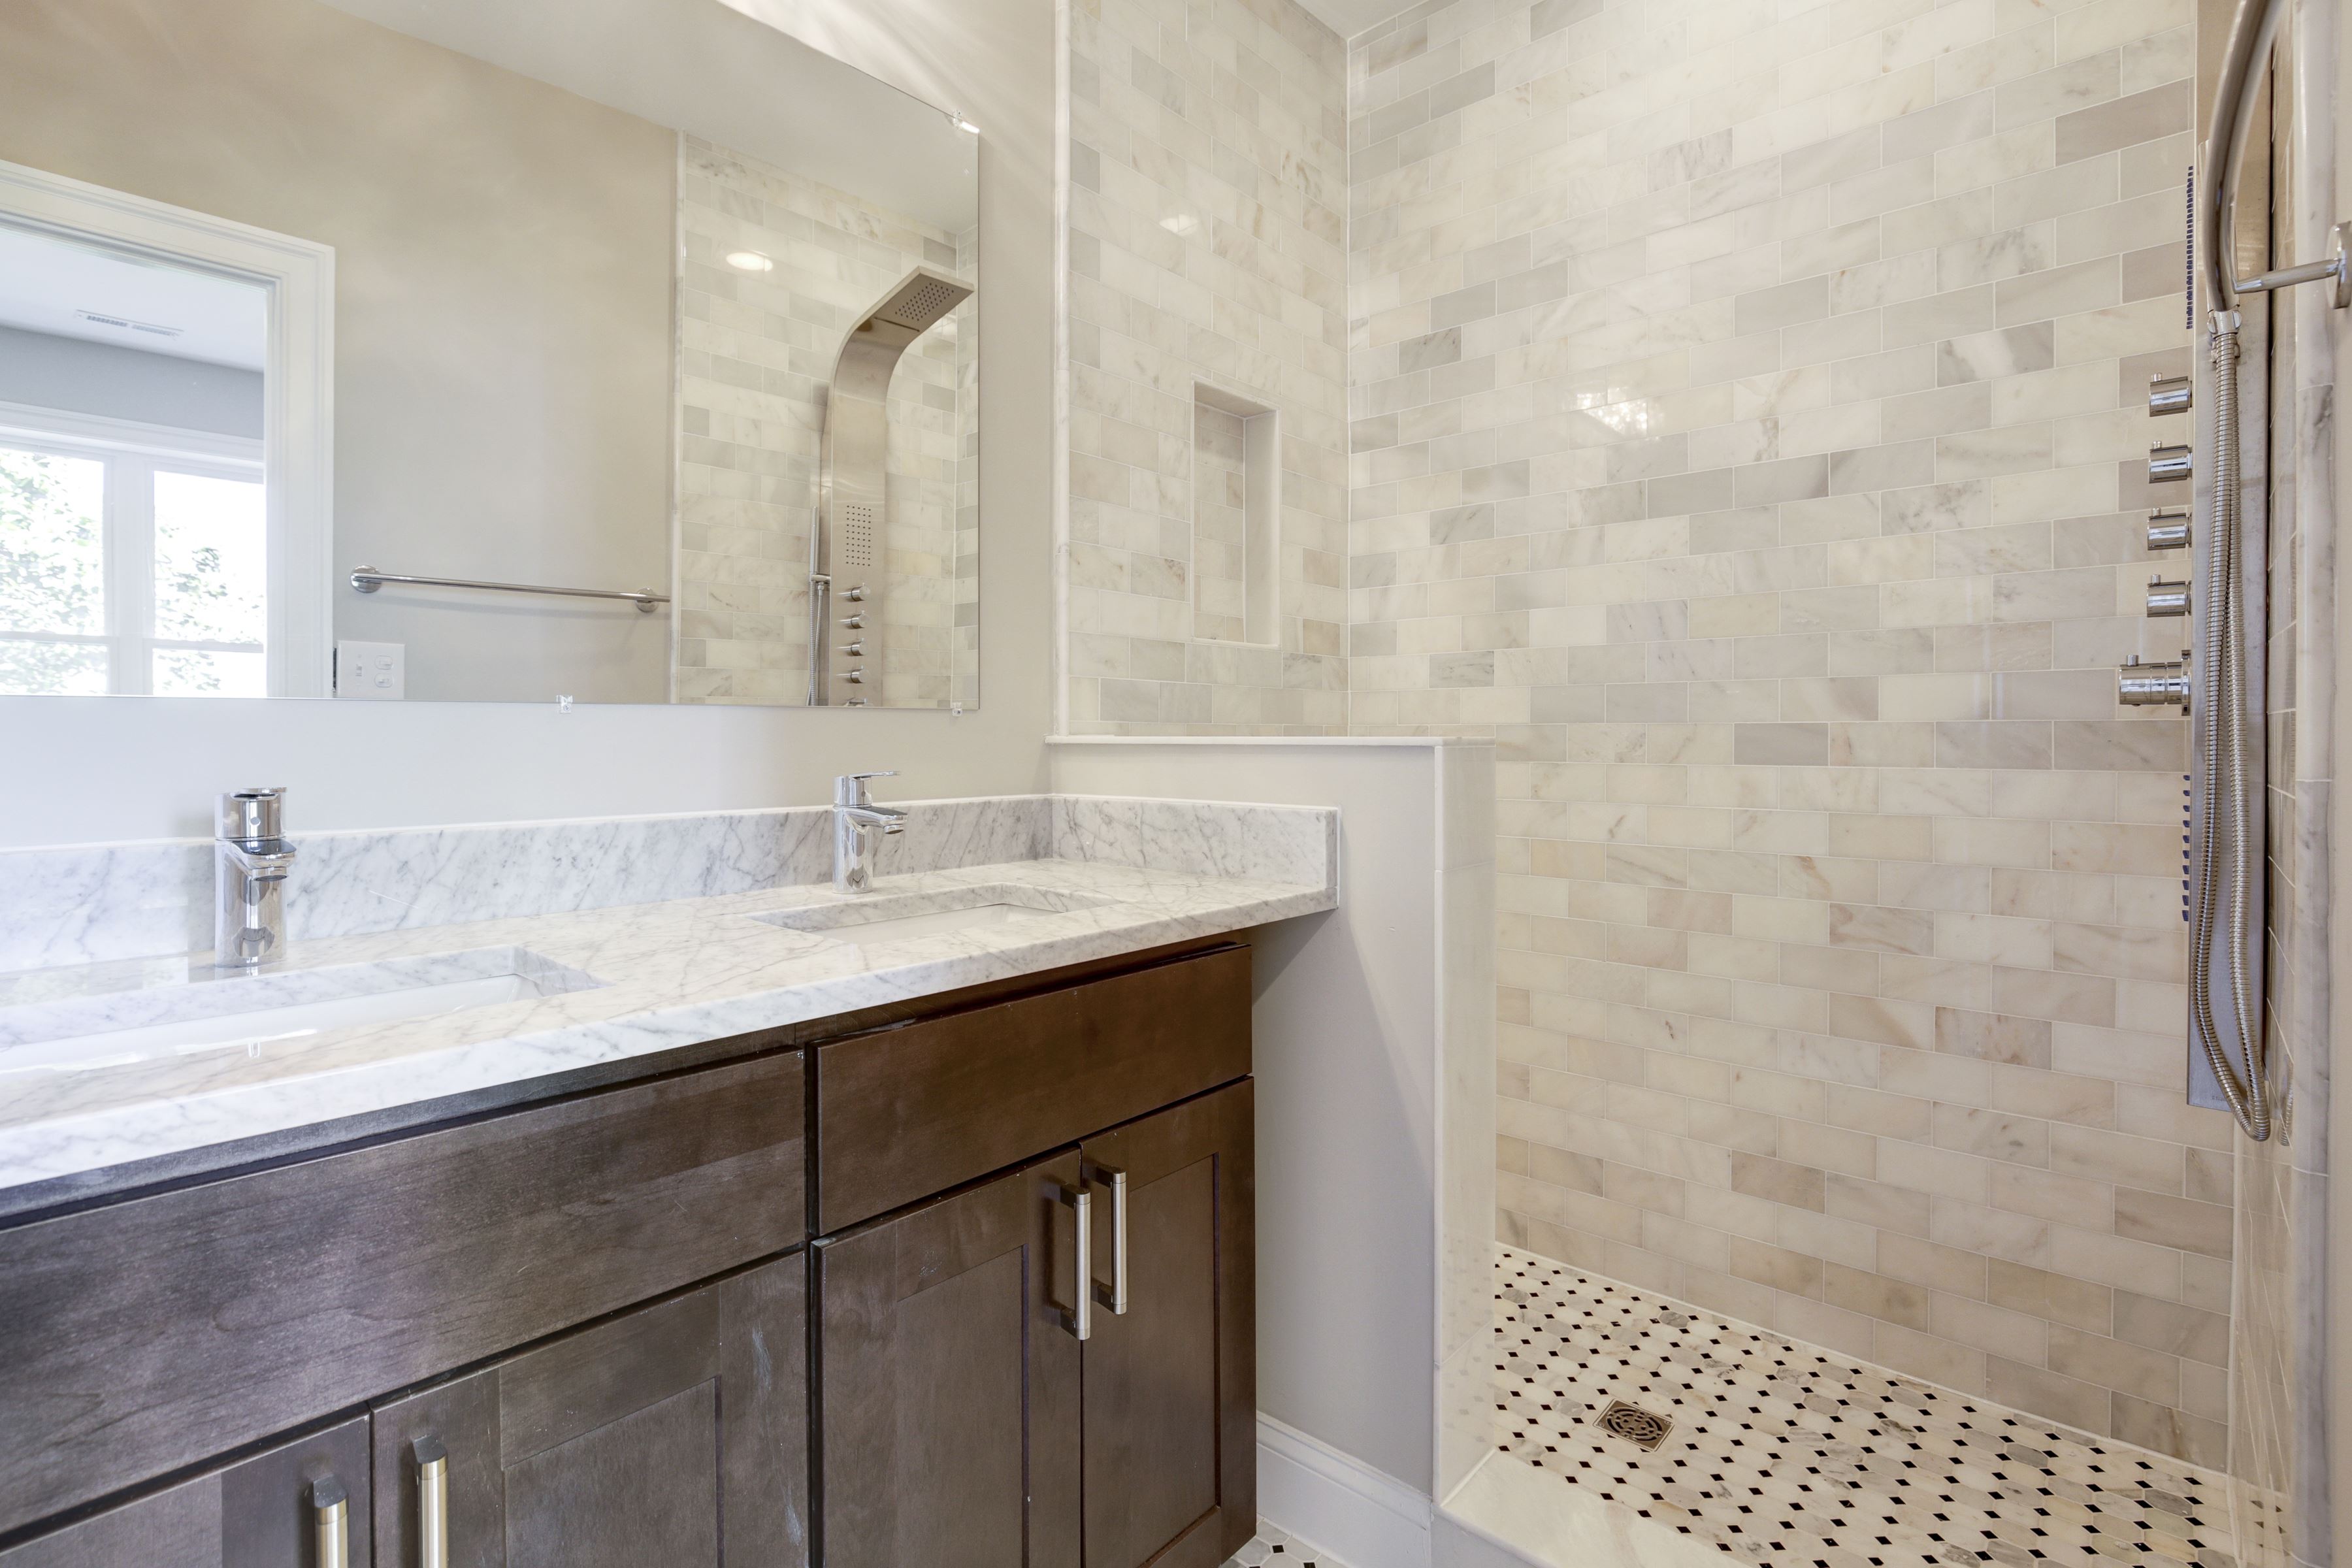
(75, 770)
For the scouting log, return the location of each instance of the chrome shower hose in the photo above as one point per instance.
(2225, 872)
(2225, 866)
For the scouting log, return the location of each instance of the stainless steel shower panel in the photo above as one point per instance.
(846, 576)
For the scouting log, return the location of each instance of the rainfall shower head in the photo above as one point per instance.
(921, 297)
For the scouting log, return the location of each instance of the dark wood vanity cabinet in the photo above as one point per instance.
(820, 1303)
(266, 1511)
(675, 1435)
(947, 1423)
(964, 1421)
(1170, 1407)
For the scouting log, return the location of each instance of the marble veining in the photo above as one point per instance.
(99, 903)
(1281, 844)
(669, 973)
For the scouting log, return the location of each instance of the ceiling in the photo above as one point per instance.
(704, 67)
(1349, 17)
(47, 284)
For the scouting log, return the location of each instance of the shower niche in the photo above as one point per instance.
(1237, 509)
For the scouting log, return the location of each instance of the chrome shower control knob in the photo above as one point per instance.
(2167, 465)
(855, 650)
(2167, 531)
(853, 623)
(2139, 684)
(2167, 598)
(854, 594)
(855, 676)
(2170, 395)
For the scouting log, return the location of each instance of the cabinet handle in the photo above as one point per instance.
(1116, 1297)
(432, 1503)
(1079, 1319)
(331, 1522)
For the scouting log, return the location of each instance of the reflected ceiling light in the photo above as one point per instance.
(960, 123)
(1182, 223)
(750, 261)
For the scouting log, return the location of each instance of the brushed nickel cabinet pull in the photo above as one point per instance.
(1115, 1297)
(1079, 1319)
(432, 1503)
(331, 1523)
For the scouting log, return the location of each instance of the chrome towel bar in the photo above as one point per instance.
(367, 579)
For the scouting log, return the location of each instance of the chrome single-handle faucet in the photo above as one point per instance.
(251, 860)
(855, 817)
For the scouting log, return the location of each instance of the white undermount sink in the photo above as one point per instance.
(269, 1009)
(873, 919)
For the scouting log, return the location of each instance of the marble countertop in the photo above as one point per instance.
(645, 979)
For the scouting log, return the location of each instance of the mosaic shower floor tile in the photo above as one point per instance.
(1275, 1549)
(1778, 1454)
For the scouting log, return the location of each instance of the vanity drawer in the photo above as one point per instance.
(906, 1112)
(150, 1334)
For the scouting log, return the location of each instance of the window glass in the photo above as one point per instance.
(52, 668)
(52, 544)
(211, 560)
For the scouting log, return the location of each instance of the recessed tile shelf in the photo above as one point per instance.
(1236, 500)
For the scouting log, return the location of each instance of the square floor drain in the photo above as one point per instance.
(1636, 1425)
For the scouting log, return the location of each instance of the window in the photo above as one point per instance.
(131, 561)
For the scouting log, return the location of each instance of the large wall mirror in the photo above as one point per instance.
(623, 351)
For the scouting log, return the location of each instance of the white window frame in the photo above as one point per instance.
(297, 459)
(133, 453)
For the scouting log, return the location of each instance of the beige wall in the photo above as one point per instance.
(1748, 410)
(147, 766)
(502, 318)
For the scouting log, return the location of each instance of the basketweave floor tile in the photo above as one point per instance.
(1776, 1453)
(1278, 1549)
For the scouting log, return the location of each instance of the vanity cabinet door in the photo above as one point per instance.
(672, 1436)
(276, 1509)
(948, 1381)
(1171, 1383)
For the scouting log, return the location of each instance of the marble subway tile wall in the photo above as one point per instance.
(756, 356)
(1748, 433)
(1208, 174)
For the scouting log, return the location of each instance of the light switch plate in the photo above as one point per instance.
(371, 671)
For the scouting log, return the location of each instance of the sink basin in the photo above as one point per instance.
(274, 1009)
(872, 919)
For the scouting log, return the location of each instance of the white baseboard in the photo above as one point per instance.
(1366, 1518)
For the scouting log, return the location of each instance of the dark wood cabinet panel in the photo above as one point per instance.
(948, 1381)
(907, 1112)
(1171, 1401)
(144, 1336)
(675, 1435)
(261, 1512)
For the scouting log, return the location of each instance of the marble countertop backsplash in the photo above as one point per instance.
(658, 912)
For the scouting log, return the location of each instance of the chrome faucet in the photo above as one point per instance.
(251, 860)
(854, 815)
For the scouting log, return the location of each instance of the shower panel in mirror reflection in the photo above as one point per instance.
(567, 350)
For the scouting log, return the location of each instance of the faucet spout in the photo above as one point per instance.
(857, 822)
(251, 862)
